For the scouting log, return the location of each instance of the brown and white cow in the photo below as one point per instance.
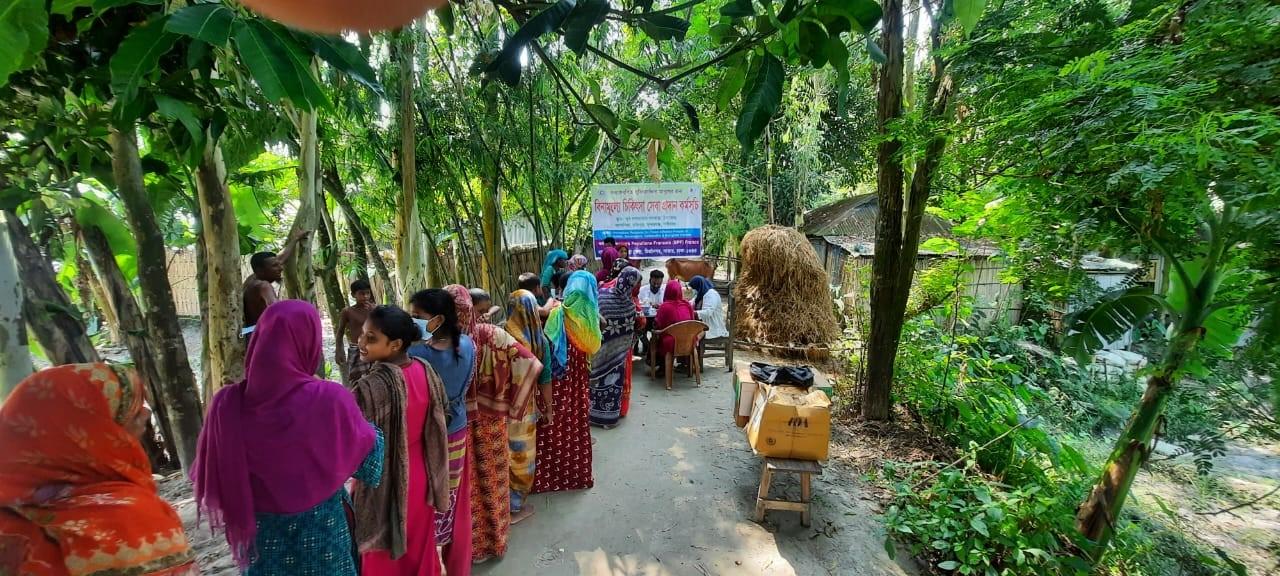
(686, 268)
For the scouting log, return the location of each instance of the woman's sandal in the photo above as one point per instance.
(523, 514)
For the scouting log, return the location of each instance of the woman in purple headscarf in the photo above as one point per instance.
(608, 257)
(276, 449)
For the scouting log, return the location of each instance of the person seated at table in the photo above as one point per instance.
(674, 309)
(651, 293)
(707, 305)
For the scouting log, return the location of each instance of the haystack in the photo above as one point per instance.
(782, 296)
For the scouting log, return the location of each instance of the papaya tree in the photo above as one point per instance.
(1201, 320)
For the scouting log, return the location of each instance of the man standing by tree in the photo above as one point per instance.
(268, 268)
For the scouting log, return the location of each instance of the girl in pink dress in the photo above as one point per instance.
(386, 338)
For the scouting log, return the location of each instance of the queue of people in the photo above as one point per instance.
(451, 416)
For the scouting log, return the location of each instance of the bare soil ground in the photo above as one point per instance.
(675, 488)
(1212, 509)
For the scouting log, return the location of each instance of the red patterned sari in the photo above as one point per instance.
(501, 388)
(76, 494)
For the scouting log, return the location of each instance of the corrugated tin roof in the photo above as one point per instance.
(861, 247)
(855, 217)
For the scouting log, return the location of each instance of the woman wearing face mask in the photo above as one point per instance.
(452, 355)
(76, 494)
(395, 522)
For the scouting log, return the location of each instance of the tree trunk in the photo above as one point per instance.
(1099, 512)
(410, 243)
(334, 186)
(202, 296)
(328, 270)
(909, 65)
(178, 392)
(768, 172)
(886, 327)
(491, 236)
(299, 278)
(134, 328)
(107, 313)
(84, 290)
(221, 239)
(15, 357)
(47, 309)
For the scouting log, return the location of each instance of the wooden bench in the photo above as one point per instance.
(805, 468)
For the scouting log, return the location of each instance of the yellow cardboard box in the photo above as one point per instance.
(790, 422)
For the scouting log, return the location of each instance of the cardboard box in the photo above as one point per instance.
(788, 422)
(744, 393)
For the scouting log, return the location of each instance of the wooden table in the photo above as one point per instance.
(805, 468)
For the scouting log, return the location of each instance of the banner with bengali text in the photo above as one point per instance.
(652, 220)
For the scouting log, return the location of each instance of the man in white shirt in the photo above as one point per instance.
(651, 295)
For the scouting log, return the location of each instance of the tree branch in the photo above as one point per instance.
(625, 16)
(1242, 505)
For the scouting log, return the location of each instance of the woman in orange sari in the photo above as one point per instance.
(76, 494)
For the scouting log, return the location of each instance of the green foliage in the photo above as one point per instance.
(967, 524)
(279, 65)
(1014, 494)
(210, 23)
(585, 16)
(967, 12)
(23, 33)
(91, 213)
(761, 100)
(664, 27)
(138, 56)
(1117, 312)
(506, 66)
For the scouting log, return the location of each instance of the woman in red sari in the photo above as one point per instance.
(564, 445)
(502, 385)
(76, 494)
(674, 309)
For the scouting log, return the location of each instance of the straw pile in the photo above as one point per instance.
(782, 295)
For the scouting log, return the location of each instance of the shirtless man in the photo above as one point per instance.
(268, 268)
(350, 324)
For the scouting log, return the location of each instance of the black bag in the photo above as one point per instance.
(799, 376)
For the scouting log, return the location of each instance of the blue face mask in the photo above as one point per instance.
(422, 328)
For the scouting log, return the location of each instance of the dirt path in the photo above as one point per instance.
(674, 493)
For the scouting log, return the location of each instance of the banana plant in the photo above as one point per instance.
(1201, 320)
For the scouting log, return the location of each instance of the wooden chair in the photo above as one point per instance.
(686, 335)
